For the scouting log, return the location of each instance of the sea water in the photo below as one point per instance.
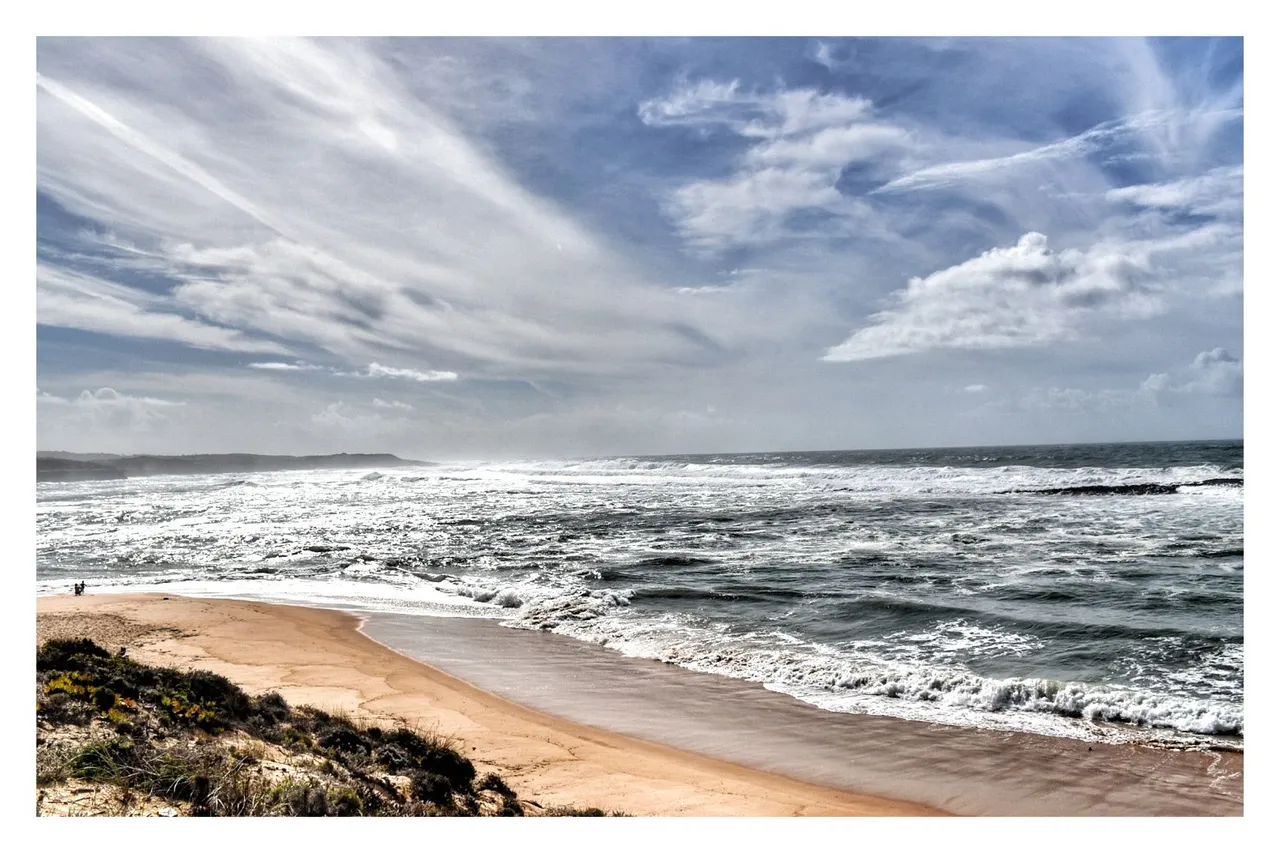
(1087, 591)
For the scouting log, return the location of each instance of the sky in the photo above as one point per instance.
(516, 247)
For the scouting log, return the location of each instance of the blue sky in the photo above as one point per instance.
(513, 247)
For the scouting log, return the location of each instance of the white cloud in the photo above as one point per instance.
(300, 190)
(1071, 148)
(314, 199)
(1024, 295)
(379, 403)
(1078, 400)
(78, 301)
(282, 365)
(975, 389)
(378, 371)
(823, 56)
(1218, 192)
(342, 418)
(108, 409)
(803, 141)
(45, 398)
(373, 371)
(703, 104)
(1215, 372)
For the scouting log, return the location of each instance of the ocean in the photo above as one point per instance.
(1087, 591)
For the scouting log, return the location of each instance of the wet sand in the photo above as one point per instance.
(960, 770)
(319, 657)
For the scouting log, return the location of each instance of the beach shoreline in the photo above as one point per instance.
(635, 735)
(966, 770)
(330, 664)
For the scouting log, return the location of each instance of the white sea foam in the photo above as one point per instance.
(863, 478)
(848, 680)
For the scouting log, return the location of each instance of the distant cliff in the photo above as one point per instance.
(65, 467)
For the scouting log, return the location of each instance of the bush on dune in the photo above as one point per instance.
(188, 737)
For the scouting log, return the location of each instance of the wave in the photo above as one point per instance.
(679, 560)
(836, 678)
(867, 478)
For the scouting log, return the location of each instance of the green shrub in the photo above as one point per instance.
(78, 681)
(344, 802)
(432, 788)
(103, 760)
(67, 654)
(493, 782)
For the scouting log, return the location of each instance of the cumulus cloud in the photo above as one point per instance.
(1023, 295)
(340, 417)
(975, 389)
(1214, 372)
(108, 408)
(44, 397)
(802, 140)
(379, 403)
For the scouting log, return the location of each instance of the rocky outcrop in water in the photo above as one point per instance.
(1129, 488)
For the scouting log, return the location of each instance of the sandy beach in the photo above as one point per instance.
(579, 725)
(319, 657)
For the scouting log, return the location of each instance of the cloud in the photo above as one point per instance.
(299, 190)
(378, 371)
(824, 56)
(802, 141)
(108, 408)
(373, 371)
(73, 300)
(281, 365)
(1214, 372)
(1218, 192)
(306, 210)
(975, 389)
(1024, 295)
(44, 397)
(343, 418)
(379, 403)
(1072, 148)
(1080, 400)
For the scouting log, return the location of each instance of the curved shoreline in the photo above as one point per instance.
(960, 769)
(331, 664)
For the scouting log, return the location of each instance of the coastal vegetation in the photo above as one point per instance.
(139, 739)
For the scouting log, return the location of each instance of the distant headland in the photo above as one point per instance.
(56, 466)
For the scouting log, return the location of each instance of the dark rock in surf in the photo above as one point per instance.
(1128, 488)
